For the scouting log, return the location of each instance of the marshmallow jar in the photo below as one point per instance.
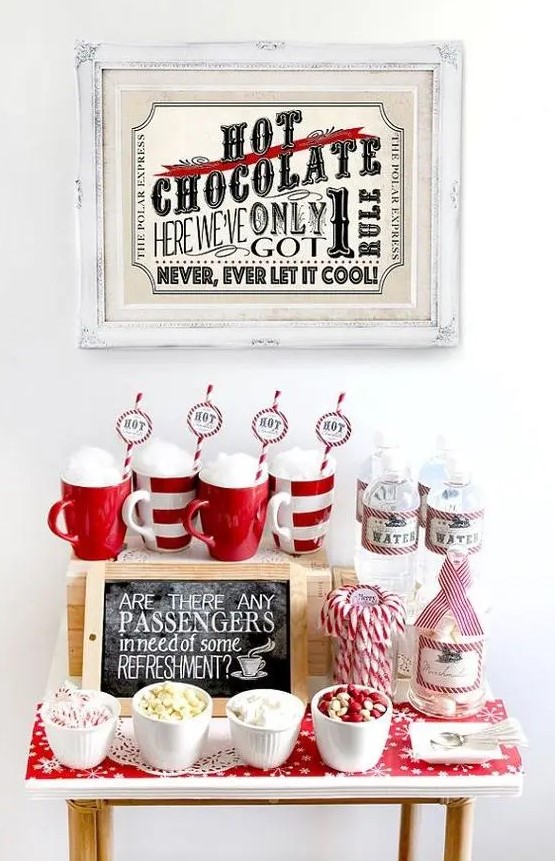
(448, 677)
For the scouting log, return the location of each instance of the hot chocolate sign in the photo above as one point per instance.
(277, 205)
(235, 197)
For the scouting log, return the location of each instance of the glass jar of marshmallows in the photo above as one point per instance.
(448, 678)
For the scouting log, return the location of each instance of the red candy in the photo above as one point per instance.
(349, 703)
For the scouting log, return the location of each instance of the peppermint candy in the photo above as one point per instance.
(364, 620)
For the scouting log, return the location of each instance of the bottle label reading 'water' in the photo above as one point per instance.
(449, 668)
(361, 487)
(389, 532)
(447, 529)
(423, 490)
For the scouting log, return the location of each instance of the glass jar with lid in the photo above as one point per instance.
(448, 678)
(365, 623)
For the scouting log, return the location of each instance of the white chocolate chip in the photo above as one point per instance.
(169, 702)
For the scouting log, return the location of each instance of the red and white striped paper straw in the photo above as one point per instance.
(328, 448)
(262, 458)
(200, 439)
(127, 462)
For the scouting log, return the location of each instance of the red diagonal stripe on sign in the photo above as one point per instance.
(176, 170)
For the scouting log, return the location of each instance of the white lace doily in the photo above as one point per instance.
(124, 751)
(142, 554)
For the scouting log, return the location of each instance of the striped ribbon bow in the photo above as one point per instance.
(454, 580)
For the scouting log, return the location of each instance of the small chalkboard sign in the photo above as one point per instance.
(226, 628)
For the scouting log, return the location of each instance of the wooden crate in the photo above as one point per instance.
(343, 577)
(318, 581)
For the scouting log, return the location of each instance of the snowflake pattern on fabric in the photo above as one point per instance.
(398, 760)
(48, 766)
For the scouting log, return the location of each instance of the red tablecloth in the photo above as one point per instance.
(397, 760)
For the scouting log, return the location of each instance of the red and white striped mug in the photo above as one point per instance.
(160, 504)
(300, 524)
(165, 482)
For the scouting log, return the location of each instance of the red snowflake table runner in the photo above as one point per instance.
(221, 760)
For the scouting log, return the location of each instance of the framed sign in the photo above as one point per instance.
(269, 195)
(224, 628)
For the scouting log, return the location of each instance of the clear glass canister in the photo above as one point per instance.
(448, 678)
(365, 646)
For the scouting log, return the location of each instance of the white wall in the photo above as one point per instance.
(496, 386)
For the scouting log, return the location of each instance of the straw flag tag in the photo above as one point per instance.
(204, 420)
(333, 429)
(269, 426)
(134, 427)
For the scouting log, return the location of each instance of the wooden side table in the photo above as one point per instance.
(220, 778)
(90, 823)
(398, 779)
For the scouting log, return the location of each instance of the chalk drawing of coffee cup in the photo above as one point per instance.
(252, 665)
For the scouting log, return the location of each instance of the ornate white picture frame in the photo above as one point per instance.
(269, 195)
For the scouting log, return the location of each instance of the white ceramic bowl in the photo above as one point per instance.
(260, 746)
(82, 748)
(171, 745)
(350, 746)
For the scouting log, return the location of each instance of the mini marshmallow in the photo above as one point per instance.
(264, 710)
(447, 705)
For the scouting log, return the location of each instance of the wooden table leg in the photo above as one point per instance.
(82, 830)
(104, 832)
(458, 829)
(407, 832)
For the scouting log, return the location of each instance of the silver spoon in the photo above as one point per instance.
(454, 739)
(507, 731)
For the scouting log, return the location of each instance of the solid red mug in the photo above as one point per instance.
(93, 516)
(232, 518)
